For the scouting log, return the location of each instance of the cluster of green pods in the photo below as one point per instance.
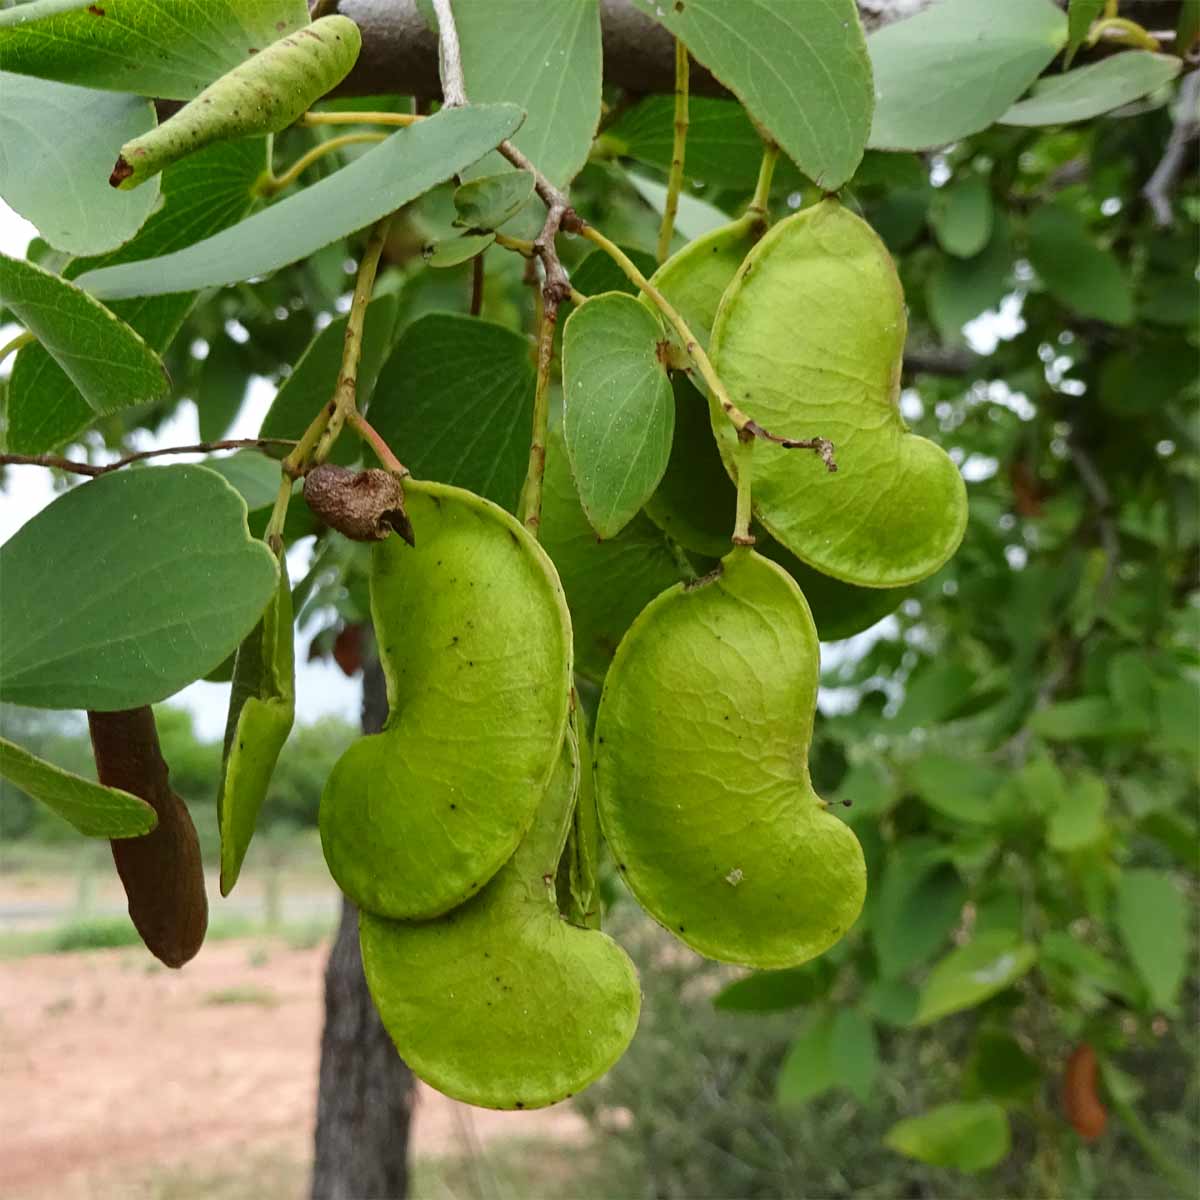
(468, 831)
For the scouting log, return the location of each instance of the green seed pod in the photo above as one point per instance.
(706, 801)
(809, 340)
(264, 95)
(502, 1003)
(475, 642)
(262, 707)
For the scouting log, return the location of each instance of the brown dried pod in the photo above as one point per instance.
(1080, 1097)
(365, 506)
(162, 872)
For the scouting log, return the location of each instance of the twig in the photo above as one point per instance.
(744, 457)
(1096, 487)
(360, 118)
(741, 422)
(454, 89)
(1187, 127)
(81, 468)
(374, 439)
(22, 339)
(270, 184)
(1119, 29)
(530, 508)
(678, 148)
(476, 285)
(759, 202)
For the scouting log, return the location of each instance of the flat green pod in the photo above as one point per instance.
(503, 1003)
(809, 340)
(265, 94)
(706, 801)
(475, 641)
(262, 707)
(607, 582)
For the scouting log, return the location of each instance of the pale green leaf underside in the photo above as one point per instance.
(809, 340)
(618, 407)
(200, 195)
(956, 67)
(103, 357)
(694, 217)
(544, 58)
(759, 872)
(475, 641)
(167, 48)
(800, 69)
(169, 582)
(502, 1003)
(1095, 89)
(94, 810)
(391, 174)
(456, 399)
(57, 146)
(970, 1137)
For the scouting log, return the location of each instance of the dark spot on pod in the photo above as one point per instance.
(120, 172)
(95, 10)
(365, 506)
(621, 867)
(454, 808)
(520, 1103)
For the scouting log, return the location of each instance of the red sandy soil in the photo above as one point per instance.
(112, 1067)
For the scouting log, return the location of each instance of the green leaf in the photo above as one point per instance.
(453, 252)
(807, 1068)
(961, 216)
(409, 163)
(960, 289)
(455, 402)
(1095, 89)
(607, 582)
(1086, 718)
(314, 378)
(1152, 919)
(775, 991)
(1076, 271)
(1000, 1068)
(968, 1137)
(57, 144)
(1187, 31)
(891, 1001)
(103, 357)
(919, 902)
(618, 407)
(809, 339)
(254, 476)
(956, 67)
(959, 788)
(552, 71)
(200, 196)
(854, 1053)
(153, 47)
(94, 810)
(169, 583)
(694, 217)
(972, 974)
(488, 202)
(224, 378)
(262, 707)
(599, 273)
(801, 71)
(265, 94)
(1080, 15)
(1079, 822)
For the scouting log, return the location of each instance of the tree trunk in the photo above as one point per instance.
(365, 1094)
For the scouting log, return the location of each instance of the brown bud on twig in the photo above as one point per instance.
(365, 506)
(161, 871)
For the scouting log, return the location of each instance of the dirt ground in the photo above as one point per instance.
(113, 1068)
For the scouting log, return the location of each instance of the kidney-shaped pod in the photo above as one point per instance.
(702, 776)
(475, 642)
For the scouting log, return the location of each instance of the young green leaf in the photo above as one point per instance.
(1152, 920)
(801, 70)
(56, 142)
(265, 94)
(960, 289)
(94, 810)
(618, 407)
(486, 203)
(929, 68)
(1077, 272)
(169, 583)
(1095, 89)
(454, 251)
(1080, 821)
(200, 196)
(854, 1053)
(262, 707)
(918, 902)
(104, 358)
(152, 47)
(961, 216)
(1080, 15)
(408, 164)
(972, 974)
(807, 1068)
(968, 1137)
(776, 991)
(455, 402)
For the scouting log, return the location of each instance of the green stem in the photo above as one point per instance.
(530, 509)
(22, 339)
(273, 534)
(374, 439)
(360, 118)
(675, 178)
(744, 461)
(1127, 32)
(760, 201)
(269, 184)
(1179, 1176)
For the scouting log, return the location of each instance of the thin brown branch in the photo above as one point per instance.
(93, 469)
(1161, 184)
